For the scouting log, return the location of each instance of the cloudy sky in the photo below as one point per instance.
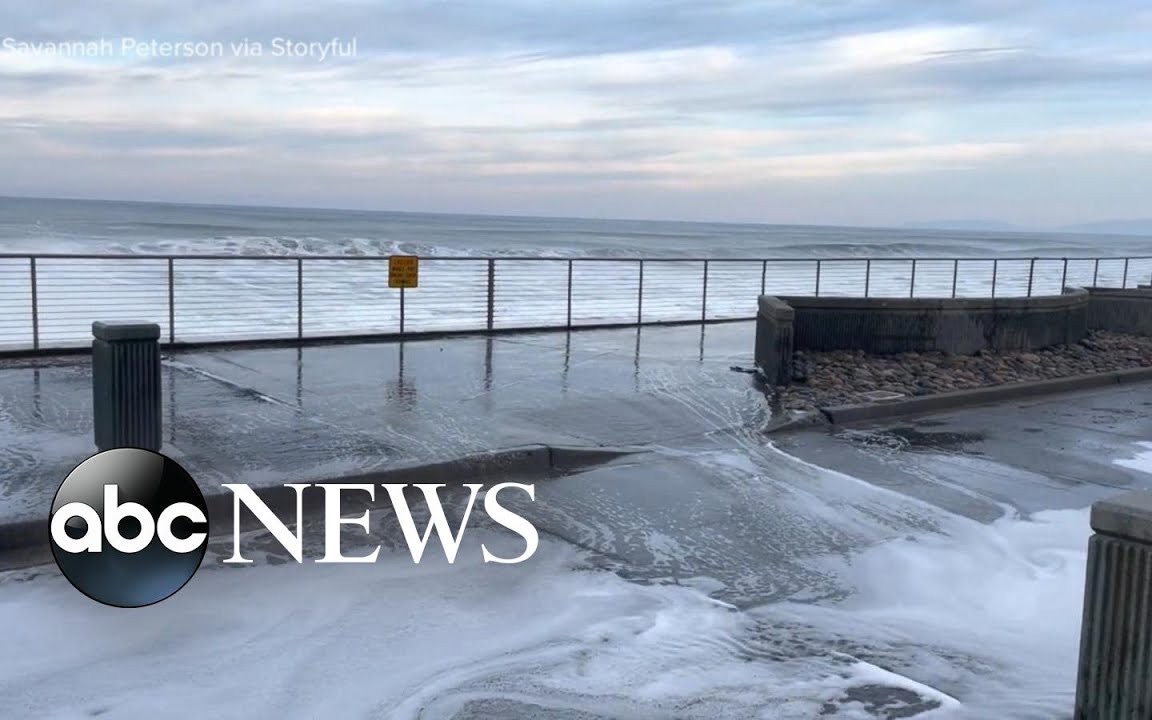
(1037, 112)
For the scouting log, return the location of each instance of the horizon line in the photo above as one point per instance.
(941, 225)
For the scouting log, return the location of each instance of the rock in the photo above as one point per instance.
(841, 376)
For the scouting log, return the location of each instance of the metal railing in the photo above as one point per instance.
(50, 301)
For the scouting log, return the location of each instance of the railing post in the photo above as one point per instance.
(995, 267)
(1064, 276)
(867, 275)
(955, 274)
(818, 264)
(912, 285)
(1031, 273)
(640, 296)
(1124, 282)
(1096, 272)
(491, 292)
(171, 302)
(299, 298)
(35, 304)
(704, 296)
(569, 293)
(764, 277)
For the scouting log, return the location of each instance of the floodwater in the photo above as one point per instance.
(929, 569)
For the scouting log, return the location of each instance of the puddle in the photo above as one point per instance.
(912, 439)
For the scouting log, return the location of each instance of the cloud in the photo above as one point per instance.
(520, 97)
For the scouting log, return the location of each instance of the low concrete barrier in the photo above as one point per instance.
(1123, 311)
(952, 325)
(945, 402)
(960, 326)
(1115, 677)
(774, 340)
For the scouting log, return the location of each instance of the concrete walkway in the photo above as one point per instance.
(895, 563)
(1057, 451)
(297, 414)
(269, 416)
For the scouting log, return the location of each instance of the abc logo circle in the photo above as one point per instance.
(129, 527)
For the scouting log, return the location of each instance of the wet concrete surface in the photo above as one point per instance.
(296, 414)
(1047, 453)
(273, 415)
(752, 519)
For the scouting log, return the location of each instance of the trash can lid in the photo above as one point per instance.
(125, 330)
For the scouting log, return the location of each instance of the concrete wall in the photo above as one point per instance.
(955, 325)
(1116, 630)
(774, 344)
(1125, 311)
(960, 326)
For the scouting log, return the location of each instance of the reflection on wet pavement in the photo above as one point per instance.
(878, 572)
(271, 415)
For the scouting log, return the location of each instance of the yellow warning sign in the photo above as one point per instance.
(403, 271)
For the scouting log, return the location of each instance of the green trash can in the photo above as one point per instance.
(126, 408)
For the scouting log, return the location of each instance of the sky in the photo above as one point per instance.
(1033, 112)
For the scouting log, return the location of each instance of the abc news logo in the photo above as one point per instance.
(115, 513)
(130, 527)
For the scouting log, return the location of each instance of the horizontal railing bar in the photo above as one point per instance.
(536, 258)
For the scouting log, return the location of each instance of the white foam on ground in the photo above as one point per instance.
(984, 621)
(384, 640)
(989, 615)
(1142, 461)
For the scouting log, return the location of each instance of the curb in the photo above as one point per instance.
(800, 421)
(845, 414)
(25, 543)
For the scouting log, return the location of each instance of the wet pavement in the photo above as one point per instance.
(274, 415)
(767, 526)
(1046, 453)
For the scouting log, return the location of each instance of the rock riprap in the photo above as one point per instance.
(842, 377)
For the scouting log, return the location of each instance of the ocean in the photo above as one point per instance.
(80, 226)
(246, 273)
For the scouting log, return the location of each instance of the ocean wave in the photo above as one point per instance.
(72, 227)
